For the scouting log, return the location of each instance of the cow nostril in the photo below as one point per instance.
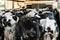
(49, 29)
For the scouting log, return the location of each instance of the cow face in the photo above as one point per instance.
(11, 19)
(48, 20)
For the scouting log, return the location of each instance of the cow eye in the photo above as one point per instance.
(15, 18)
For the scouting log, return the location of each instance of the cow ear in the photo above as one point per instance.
(15, 18)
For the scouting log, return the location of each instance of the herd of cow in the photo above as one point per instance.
(29, 24)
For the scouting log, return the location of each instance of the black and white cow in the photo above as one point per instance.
(9, 22)
(49, 22)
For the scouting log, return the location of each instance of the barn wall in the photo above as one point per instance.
(8, 5)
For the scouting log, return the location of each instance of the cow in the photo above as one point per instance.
(48, 21)
(23, 27)
(9, 22)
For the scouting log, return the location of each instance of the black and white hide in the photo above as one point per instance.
(10, 22)
(32, 13)
(49, 25)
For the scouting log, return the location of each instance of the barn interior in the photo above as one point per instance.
(7, 26)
